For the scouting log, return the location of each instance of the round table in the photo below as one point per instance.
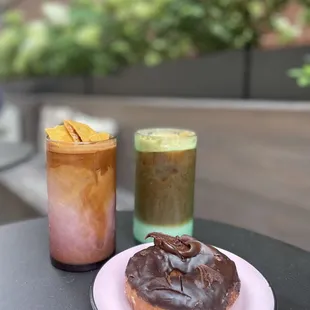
(29, 282)
(15, 153)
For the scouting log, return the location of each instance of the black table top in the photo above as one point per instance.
(12, 154)
(29, 282)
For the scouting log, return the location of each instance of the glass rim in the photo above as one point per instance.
(47, 139)
(148, 131)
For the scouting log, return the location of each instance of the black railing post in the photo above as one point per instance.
(247, 73)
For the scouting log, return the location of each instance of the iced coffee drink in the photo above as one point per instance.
(81, 181)
(165, 179)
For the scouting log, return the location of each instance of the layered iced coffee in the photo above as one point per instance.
(165, 179)
(81, 179)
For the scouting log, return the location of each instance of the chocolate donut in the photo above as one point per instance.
(181, 273)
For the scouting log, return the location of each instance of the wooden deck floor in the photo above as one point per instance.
(253, 166)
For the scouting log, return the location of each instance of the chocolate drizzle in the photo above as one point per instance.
(182, 273)
(183, 247)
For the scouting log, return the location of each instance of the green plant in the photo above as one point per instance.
(302, 74)
(97, 37)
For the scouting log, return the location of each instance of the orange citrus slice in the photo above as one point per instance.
(101, 136)
(73, 131)
(83, 131)
(75, 137)
(58, 133)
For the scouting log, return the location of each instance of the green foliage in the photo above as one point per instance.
(97, 37)
(286, 30)
(302, 74)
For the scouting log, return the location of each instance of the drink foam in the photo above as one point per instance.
(165, 140)
(79, 147)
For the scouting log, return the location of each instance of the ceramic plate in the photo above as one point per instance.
(108, 290)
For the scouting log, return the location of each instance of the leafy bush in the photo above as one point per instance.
(302, 74)
(96, 37)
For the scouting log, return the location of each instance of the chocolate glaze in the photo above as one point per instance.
(182, 273)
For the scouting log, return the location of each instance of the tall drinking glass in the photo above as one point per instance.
(81, 179)
(165, 180)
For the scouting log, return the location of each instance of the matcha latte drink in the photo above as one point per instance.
(165, 179)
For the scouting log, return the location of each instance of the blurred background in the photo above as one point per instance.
(237, 72)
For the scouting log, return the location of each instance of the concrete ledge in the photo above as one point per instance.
(162, 102)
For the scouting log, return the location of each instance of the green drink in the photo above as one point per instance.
(165, 180)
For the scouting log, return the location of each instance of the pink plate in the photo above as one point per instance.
(108, 290)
